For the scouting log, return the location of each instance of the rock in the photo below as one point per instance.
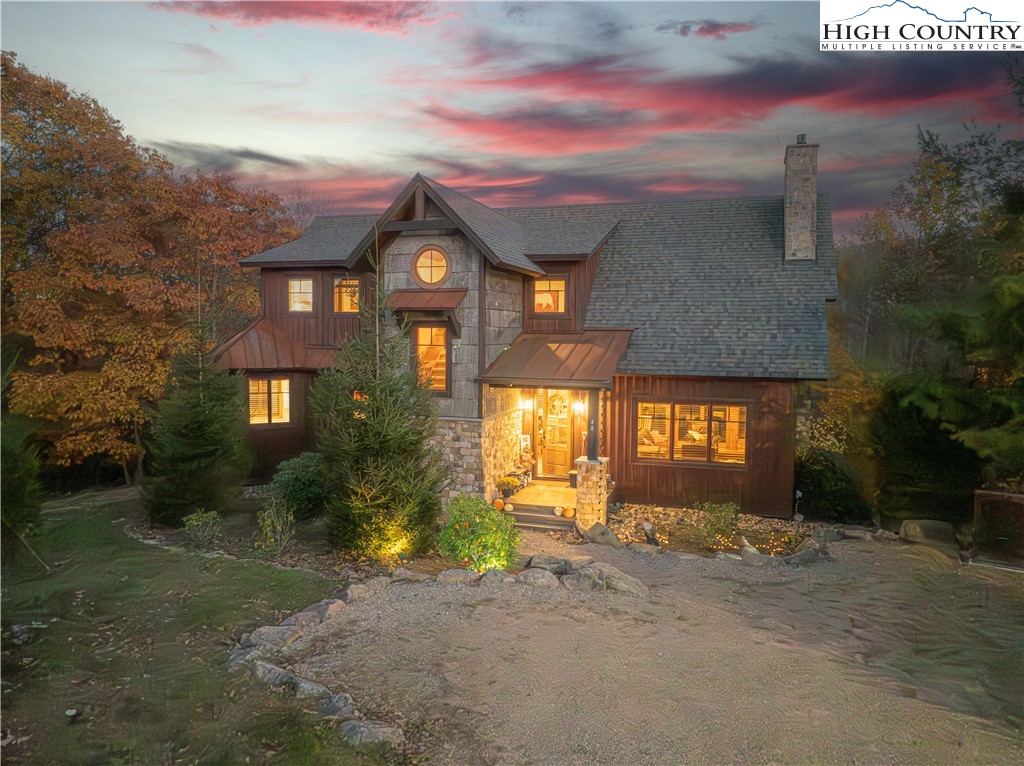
(650, 533)
(303, 620)
(371, 733)
(377, 584)
(554, 564)
(327, 609)
(828, 534)
(856, 533)
(538, 578)
(752, 557)
(936, 534)
(644, 548)
(723, 555)
(355, 593)
(271, 675)
(883, 536)
(576, 563)
(407, 575)
(620, 581)
(586, 578)
(275, 636)
(805, 555)
(338, 706)
(329, 703)
(798, 517)
(496, 577)
(807, 544)
(463, 576)
(240, 656)
(600, 534)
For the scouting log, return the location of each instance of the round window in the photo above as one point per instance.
(430, 268)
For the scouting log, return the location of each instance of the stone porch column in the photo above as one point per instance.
(591, 491)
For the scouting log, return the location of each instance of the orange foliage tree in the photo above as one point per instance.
(110, 265)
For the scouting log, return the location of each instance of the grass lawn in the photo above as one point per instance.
(134, 637)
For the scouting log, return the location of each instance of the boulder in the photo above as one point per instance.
(554, 564)
(496, 577)
(883, 536)
(371, 733)
(269, 674)
(521, 561)
(241, 655)
(576, 563)
(752, 557)
(327, 609)
(936, 534)
(805, 554)
(274, 636)
(829, 534)
(463, 576)
(303, 620)
(339, 706)
(586, 578)
(407, 575)
(856, 533)
(620, 581)
(377, 584)
(355, 593)
(538, 578)
(600, 534)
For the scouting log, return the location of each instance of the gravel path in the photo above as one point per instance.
(885, 654)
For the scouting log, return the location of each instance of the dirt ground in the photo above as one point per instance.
(888, 653)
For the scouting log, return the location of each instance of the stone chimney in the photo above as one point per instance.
(801, 223)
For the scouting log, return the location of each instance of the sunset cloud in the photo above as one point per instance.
(715, 30)
(392, 18)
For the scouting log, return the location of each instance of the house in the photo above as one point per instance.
(650, 344)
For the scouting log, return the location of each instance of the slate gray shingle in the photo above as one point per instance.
(329, 239)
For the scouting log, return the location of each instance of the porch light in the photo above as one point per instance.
(578, 407)
(525, 403)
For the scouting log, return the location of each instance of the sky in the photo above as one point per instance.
(511, 103)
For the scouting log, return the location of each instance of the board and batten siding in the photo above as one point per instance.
(763, 486)
(320, 328)
(273, 442)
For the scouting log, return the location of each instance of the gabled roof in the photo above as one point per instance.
(329, 239)
(261, 346)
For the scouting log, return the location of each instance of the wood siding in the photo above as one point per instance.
(763, 486)
(320, 328)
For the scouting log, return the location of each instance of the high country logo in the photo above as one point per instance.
(945, 25)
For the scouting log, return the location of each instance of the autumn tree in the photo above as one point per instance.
(109, 263)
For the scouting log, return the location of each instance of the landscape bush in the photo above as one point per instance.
(829, 489)
(21, 495)
(203, 528)
(300, 482)
(275, 526)
(717, 523)
(476, 531)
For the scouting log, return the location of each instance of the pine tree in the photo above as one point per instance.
(374, 425)
(198, 452)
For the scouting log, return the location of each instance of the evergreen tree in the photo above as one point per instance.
(375, 424)
(198, 452)
(20, 493)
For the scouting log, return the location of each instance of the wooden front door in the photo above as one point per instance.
(554, 432)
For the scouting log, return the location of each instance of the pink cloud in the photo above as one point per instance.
(709, 28)
(390, 18)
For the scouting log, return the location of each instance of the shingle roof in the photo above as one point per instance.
(328, 238)
(705, 285)
(564, 237)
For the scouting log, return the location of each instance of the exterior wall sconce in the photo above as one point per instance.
(578, 407)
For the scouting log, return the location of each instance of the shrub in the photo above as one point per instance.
(198, 450)
(507, 484)
(203, 528)
(300, 483)
(717, 523)
(276, 526)
(478, 532)
(829, 488)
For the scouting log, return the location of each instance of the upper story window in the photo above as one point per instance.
(346, 296)
(430, 346)
(549, 295)
(694, 432)
(270, 401)
(430, 268)
(300, 294)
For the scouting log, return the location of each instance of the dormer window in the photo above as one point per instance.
(549, 295)
(300, 295)
(430, 267)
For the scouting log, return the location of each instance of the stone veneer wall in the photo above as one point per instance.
(501, 448)
(591, 491)
(459, 440)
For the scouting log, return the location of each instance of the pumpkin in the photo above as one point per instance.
(509, 507)
(558, 511)
(499, 503)
(569, 512)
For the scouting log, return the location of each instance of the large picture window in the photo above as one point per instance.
(430, 345)
(346, 296)
(300, 294)
(549, 295)
(691, 432)
(270, 401)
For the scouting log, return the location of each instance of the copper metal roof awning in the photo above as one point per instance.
(261, 346)
(559, 360)
(415, 305)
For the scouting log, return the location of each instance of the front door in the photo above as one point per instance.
(554, 432)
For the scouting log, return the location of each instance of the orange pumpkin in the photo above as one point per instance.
(499, 503)
(568, 512)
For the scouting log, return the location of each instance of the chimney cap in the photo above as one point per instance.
(801, 138)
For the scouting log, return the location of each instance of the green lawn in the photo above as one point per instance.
(135, 637)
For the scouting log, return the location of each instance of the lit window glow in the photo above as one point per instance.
(697, 433)
(431, 267)
(269, 401)
(346, 296)
(300, 294)
(549, 295)
(431, 345)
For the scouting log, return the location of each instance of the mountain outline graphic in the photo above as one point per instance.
(933, 15)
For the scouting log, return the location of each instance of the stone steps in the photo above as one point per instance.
(538, 517)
